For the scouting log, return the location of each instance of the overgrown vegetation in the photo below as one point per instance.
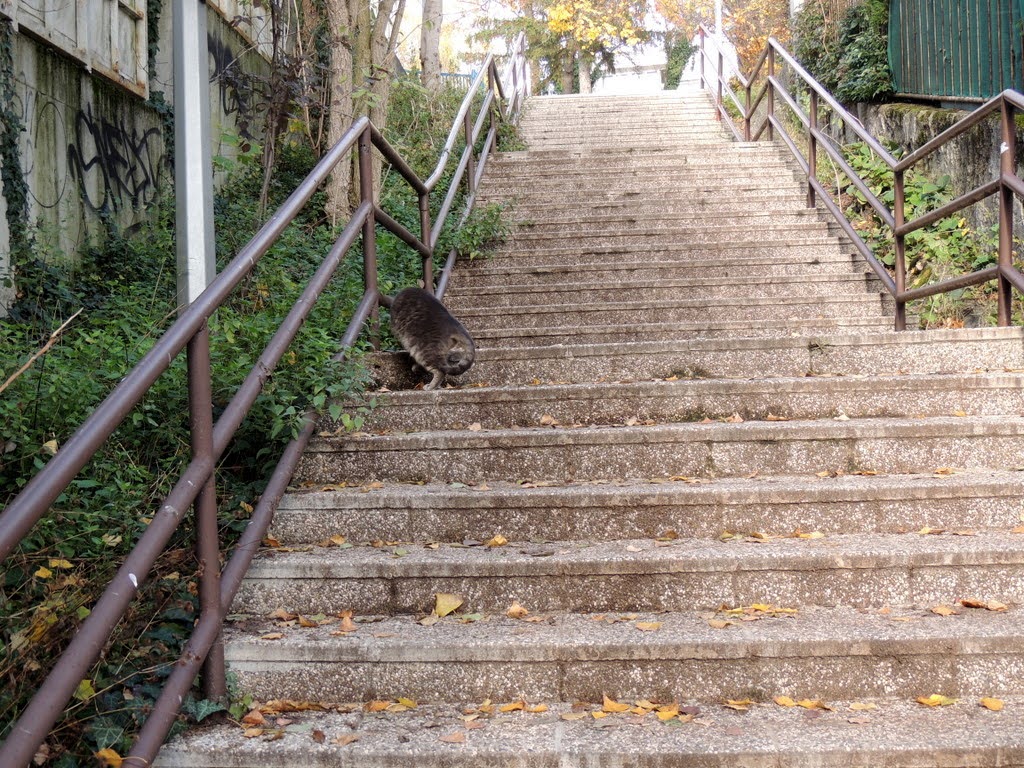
(125, 287)
(946, 249)
(848, 54)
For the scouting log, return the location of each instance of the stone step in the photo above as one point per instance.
(530, 162)
(640, 201)
(786, 203)
(637, 264)
(736, 307)
(592, 292)
(603, 511)
(656, 187)
(898, 733)
(675, 449)
(907, 352)
(816, 653)
(975, 394)
(637, 218)
(662, 238)
(570, 335)
(634, 253)
(648, 575)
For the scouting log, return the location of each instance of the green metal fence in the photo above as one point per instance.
(960, 50)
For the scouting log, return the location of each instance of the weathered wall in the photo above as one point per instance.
(94, 152)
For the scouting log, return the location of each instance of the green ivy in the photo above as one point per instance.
(15, 188)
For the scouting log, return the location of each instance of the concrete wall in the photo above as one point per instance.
(94, 149)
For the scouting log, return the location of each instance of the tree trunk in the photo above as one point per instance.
(566, 62)
(586, 61)
(430, 45)
(340, 116)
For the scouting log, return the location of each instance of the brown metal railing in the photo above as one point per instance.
(209, 440)
(1005, 186)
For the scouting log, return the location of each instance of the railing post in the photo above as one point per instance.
(812, 149)
(370, 225)
(703, 82)
(746, 113)
(471, 164)
(771, 92)
(428, 266)
(718, 98)
(200, 405)
(900, 265)
(1007, 167)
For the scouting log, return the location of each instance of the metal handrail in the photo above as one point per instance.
(1006, 185)
(195, 486)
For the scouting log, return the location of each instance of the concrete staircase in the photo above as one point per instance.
(694, 454)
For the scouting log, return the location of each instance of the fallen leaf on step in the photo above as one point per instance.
(548, 421)
(376, 705)
(633, 548)
(841, 417)
(995, 705)
(798, 534)
(318, 736)
(253, 717)
(537, 709)
(1018, 529)
(784, 701)
(988, 605)
(814, 704)
(252, 733)
(270, 541)
(610, 705)
(446, 603)
(719, 623)
(574, 715)
(516, 611)
(429, 621)
(928, 530)
(515, 706)
(496, 541)
(282, 615)
(740, 705)
(944, 610)
(345, 739)
(272, 636)
(960, 413)
(648, 626)
(773, 417)
(936, 700)
(858, 706)
(734, 419)
(945, 471)
(475, 427)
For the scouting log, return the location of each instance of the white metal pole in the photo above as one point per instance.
(193, 166)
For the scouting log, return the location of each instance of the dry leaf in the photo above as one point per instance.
(252, 733)
(648, 626)
(944, 610)
(456, 737)
(809, 535)
(996, 705)
(784, 701)
(548, 421)
(376, 706)
(610, 705)
(345, 739)
(814, 704)
(719, 623)
(429, 621)
(497, 541)
(514, 706)
(773, 417)
(988, 605)
(961, 414)
(936, 700)
(272, 636)
(734, 419)
(573, 715)
(929, 531)
(446, 603)
(862, 707)
(598, 715)
(516, 611)
(537, 709)
(109, 757)
(1018, 529)
(740, 705)
(945, 471)
(318, 736)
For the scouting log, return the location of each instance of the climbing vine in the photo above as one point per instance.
(15, 188)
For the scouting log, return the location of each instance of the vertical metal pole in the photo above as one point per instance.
(200, 403)
(771, 92)
(703, 82)
(746, 114)
(718, 98)
(1007, 167)
(428, 267)
(899, 216)
(370, 225)
(812, 149)
(193, 166)
(467, 123)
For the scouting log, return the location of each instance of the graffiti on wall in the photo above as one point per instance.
(114, 163)
(233, 86)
